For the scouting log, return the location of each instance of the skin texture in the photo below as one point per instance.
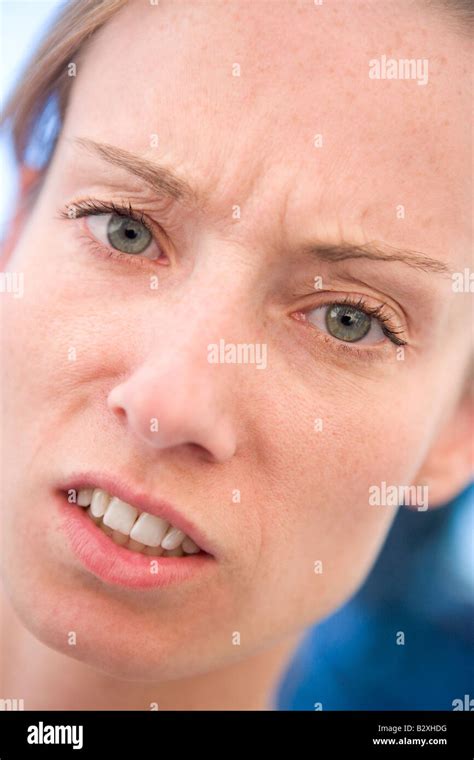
(244, 141)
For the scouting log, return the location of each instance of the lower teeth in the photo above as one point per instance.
(128, 543)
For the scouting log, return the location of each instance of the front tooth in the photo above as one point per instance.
(172, 539)
(84, 497)
(189, 547)
(149, 530)
(99, 503)
(120, 515)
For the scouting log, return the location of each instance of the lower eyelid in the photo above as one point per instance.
(106, 252)
(370, 351)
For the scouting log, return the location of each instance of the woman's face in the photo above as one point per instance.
(287, 157)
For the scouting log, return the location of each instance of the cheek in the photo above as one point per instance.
(51, 341)
(323, 444)
(322, 447)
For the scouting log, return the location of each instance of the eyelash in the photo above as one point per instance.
(94, 207)
(376, 312)
(379, 313)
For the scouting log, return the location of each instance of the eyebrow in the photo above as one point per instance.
(166, 182)
(376, 251)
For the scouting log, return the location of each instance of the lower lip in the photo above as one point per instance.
(117, 566)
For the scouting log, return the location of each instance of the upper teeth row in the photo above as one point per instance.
(140, 526)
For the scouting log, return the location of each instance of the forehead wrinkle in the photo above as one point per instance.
(227, 182)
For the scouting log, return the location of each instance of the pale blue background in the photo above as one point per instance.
(21, 25)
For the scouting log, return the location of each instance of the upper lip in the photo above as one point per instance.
(143, 502)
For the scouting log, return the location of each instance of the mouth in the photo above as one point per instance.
(128, 539)
(135, 530)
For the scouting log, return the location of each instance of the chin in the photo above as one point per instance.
(121, 644)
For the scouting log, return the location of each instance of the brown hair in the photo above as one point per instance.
(48, 68)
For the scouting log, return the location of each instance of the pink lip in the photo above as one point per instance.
(142, 501)
(118, 566)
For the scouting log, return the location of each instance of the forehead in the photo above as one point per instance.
(272, 103)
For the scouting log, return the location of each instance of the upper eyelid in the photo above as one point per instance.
(356, 301)
(361, 305)
(96, 207)
(91, 207)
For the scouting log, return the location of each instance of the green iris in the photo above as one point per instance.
(127, 235)
(347, 323)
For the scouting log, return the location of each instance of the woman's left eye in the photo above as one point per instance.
(123, 233)
(347, 323)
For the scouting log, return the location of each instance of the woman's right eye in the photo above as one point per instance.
(124, 234)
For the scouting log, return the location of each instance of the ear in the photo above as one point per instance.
(449, 465)
(28, 178)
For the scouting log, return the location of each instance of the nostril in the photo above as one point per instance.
(120, 413)
(116, 405)
(115, 401)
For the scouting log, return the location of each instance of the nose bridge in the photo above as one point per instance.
(182, 337)
(209, 305)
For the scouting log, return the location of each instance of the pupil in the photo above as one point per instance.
(130, 233)
(346, 319)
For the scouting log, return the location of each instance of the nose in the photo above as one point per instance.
(177, 402)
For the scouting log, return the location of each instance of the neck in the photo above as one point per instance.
(29, 665)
